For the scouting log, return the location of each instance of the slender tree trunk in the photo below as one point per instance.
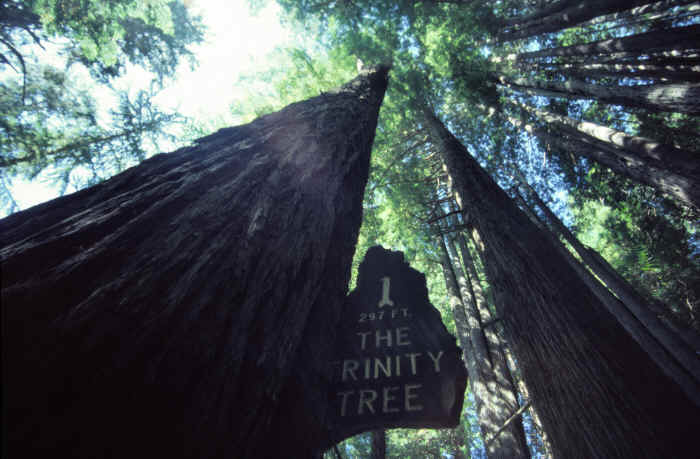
(378, 444)
(664, 167)
(570, 16)
(657, 40)
(184, 308)
(640, 11)
(548, 10)
(580, 365)
(640, 70)
(643, 170)
(671, 97)
(499, 395)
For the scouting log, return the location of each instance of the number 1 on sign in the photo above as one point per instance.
(386, 285)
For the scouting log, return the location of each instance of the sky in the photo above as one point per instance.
(236, 41)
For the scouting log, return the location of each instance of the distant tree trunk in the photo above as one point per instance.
(580, 365)
(667, 39)
(664, 167)
(378, 444)
(645, 69)
(573, 13)
(185, 307)
(491, 387)
(670, 97)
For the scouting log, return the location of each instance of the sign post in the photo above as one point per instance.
(396, 365)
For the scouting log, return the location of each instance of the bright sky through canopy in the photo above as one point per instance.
(236, 42)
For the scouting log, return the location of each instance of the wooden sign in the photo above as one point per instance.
(396, 365)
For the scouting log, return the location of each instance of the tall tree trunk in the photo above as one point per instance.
(570, 16)
(681, 371)
(671, 97)
(378, 444)
(580, 365)
(643, 170)
(495, 387)
(684, 355)
(664, 167)
(667, 39)
(184, 308)
(501, 396)
(641, 70)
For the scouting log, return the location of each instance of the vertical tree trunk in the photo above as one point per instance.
(184, 308)
(581, 367)
(688, 375)
(493, 389)
(669, 97)
(647, 170)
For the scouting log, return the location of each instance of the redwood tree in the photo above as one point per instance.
(597, 392)
(184, 307)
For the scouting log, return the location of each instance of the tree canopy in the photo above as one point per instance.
(585, 108)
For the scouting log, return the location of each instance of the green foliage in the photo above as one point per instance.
(55, 117)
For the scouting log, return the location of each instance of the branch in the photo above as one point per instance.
(520, 411)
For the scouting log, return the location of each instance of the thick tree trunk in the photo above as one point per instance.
(671, 97)
(378, 444)
(664, 167)
(671, 354)
(185, 307)
(684, 355)
(570, 16)
(582, 368)
(657, 40)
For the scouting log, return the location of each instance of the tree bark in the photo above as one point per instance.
(684, 355)
(580, 365)
(667, 39)
(184, 308)
(671, 97)
(665, 350)
(664, 167)
(495, 384)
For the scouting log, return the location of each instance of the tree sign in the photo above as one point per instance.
(396, 365)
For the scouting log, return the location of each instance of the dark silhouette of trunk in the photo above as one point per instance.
(378, 444)
(573, 13)
(580, 365)
(677, 358)
(657, 40)
(669, 97)
(669, 169)
(185, 307)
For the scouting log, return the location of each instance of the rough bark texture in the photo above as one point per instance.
(667, 39)
(582, 368)
(675, 357)
(671, 97)
(184, 307)
(646, 69)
